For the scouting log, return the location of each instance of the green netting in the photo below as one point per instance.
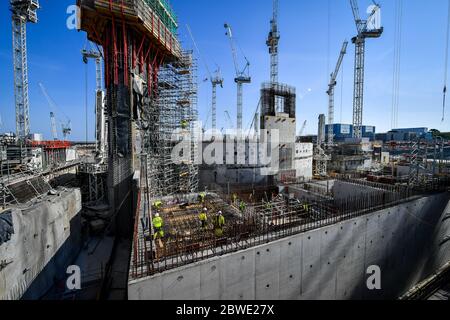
(164, 11)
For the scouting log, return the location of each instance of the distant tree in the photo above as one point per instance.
(435, 133)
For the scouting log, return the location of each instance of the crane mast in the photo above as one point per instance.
(53, 126)
(215, 80)
(272, 42)
(100, 118)
(242, 77)
(23, 11)
(302, 129)
(330, 93)
(360, 43)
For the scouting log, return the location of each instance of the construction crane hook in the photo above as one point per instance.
(444, 103)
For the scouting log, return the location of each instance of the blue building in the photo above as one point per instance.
(344, 131)
(369, 132)
(408, 134)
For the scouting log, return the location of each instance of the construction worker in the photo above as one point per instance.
(219, 223)
(235, 198)
(202, 197)
(158, 226)
(157, 205)
(184, 124)
(306, 206)
(203, 216)
(242, 206)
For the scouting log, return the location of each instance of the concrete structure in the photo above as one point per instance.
(353, 155)
(296, 165)
(406, 241)
(46, 238)
(303, 161)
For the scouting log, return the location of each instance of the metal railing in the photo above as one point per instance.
(257, 225)
(22, 187)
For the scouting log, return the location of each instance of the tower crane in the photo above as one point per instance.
(216, 80)
(66, 126)
(100, 117)
(97, 56)
(242, 76)
(23, 11)
(302, 130)
(330, 93)
(272, 42)
(359, 40)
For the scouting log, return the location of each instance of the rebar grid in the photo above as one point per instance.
(259, 224)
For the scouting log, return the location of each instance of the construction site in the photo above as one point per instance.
(163, 207)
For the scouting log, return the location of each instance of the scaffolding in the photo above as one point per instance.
(270, 92)
(426, 161)
(173, 118)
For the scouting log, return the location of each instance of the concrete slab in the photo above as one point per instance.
(327, 263)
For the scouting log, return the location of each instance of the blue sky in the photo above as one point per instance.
(306, 60)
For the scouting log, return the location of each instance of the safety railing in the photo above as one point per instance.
(258, 224)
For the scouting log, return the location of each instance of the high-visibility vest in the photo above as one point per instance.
(218, 232)
(220, 221)
(242, 206)
(157, 204)
(203, 217)
(157, 222)
(184, 124)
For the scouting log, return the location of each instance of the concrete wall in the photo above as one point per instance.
(344, 190)
(327, 263)
(223, 175)
(303, 160)
(45, 238)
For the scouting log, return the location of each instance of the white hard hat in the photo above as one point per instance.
(157, 215)
(220, 212)
(205, 209)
